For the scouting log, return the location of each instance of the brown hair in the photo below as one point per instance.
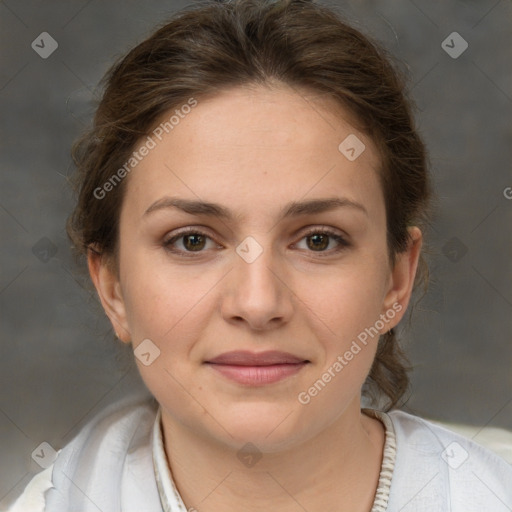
(212, 46)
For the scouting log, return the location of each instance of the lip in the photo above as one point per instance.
(257, 369)
(247, 358)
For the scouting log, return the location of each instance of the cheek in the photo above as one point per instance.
(161, 298)
(343, 314)
(346, 300)
(168, 306)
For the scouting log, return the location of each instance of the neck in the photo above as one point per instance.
(336, 470)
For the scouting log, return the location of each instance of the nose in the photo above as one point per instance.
(258, 293)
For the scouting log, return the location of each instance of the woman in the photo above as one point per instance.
(251, 199)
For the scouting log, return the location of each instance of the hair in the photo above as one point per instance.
(213, 46)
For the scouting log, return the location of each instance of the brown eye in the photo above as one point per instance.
(191, 241)
(318, 242)
(194, 242)
(323, 241)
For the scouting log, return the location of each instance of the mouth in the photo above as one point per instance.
(257, 369)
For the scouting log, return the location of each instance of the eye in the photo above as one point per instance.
(192, 241)
(188, 241)
(323, 240)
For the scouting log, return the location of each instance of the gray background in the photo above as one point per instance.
(59, 365)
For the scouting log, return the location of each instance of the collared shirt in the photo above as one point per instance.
(117, 463)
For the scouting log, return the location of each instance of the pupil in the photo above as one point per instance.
(319, 238)
(197, 242)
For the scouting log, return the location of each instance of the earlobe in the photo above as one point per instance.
(107, 286)
(402, 277)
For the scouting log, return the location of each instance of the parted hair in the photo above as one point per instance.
(211, 46)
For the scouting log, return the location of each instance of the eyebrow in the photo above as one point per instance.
(293, 209)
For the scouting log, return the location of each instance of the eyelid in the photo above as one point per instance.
(199, 230)
(319, 228)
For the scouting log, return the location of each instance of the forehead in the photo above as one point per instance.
(257, 146)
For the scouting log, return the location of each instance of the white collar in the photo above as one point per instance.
(171, 499)
(169, 495)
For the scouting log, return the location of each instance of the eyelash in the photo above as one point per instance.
(342, 242)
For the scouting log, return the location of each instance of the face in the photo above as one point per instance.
(290, 267)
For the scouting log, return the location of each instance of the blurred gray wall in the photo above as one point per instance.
(58, 363)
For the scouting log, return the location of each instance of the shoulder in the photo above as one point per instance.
(437, 469)
(498, 440)
(121, 427)
(32, 499)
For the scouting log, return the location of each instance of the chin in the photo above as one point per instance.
(270, 427)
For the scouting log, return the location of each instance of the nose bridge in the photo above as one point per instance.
(258, 295)
(256, 265)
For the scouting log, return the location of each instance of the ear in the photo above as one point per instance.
(402, 278)
(106, 282)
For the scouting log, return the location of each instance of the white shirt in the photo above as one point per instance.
(117, 463)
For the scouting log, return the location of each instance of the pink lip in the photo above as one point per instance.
(256, 369)
(246, 358)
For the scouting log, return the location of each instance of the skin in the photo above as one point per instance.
(254, 150)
